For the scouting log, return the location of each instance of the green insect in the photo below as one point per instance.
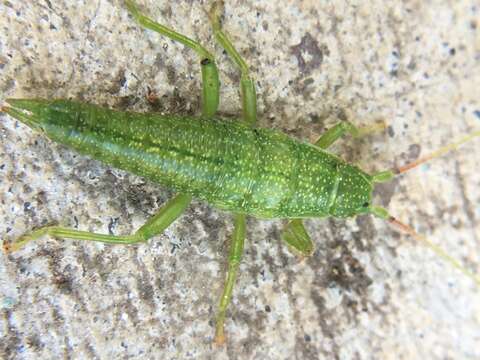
(232, 165)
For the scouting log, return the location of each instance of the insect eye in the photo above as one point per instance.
(366, 204)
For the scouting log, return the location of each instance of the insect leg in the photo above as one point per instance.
(247, 84)
(210, 82)
(249, 106)
(155, 225)
(337, 131)
(236, 250)
(297, 238)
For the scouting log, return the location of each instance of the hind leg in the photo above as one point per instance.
(155, 225)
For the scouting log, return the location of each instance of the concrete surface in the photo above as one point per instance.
(367, 293)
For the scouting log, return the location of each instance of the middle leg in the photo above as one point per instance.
(234, 257)
(249, 107)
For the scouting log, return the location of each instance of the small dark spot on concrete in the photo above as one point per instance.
(307, 338)
(118, 83)
(412, 65)
(413, 151)
(477, 113)
(26, 206)
(112, 225)
(308, 81)
(174, 248)
(341, 114)
(63, 283)
(122, 80)
(315, 118)
(309, 45)
(171, 74)
(452, 52)
(145, 289)
(267, 308)
(390, 131)
(41, 198)
(35, 342)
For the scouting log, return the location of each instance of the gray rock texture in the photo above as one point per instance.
(368, 292)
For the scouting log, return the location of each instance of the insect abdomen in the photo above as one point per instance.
(232, 166)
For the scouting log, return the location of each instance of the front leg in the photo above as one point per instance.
(346, 127)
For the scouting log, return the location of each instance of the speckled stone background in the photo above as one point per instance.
(367, 293)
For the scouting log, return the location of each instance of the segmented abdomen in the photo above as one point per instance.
(233, 167)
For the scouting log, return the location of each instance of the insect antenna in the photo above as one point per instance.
(435, 154)
(435, 248)
(383, 214)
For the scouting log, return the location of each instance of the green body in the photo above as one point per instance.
(232, 166)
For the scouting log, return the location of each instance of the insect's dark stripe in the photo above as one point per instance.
(147, 143)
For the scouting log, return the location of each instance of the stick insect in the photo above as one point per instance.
(317, 183)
